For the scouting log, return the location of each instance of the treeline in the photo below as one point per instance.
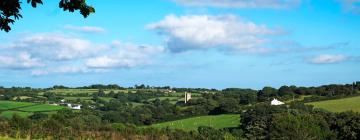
(317, 93)
(84, 125)
(298, 122)
(96, 86)
(295, 121)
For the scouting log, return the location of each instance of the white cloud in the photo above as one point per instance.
(19, 61)
(56, 53)
(125, 56)
(204, 32)
(327, 59)
(274, 4)
(55, 46)
(60, 70)
(86, 29)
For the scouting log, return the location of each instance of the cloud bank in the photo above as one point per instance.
(327, 59)
(194, 32)
(125, 56)
(58, 53)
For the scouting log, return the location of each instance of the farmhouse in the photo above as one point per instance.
(167, 91)
(72, 106)
(76, 107)
(276, 102)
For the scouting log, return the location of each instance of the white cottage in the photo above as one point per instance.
(276, 102)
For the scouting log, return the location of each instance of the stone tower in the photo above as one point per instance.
(187, 97)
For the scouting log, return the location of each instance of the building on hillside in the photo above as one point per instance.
(276, 102)
(167, 91)
(187, 97)
(71, 106)
(76, 107)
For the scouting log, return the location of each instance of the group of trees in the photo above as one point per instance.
(259, 120)
(10, 10)
(317, 93)
(298, 121)
(85, 125)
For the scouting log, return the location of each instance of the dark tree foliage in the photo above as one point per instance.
(10, 10)
(299, 127)
(346, 125)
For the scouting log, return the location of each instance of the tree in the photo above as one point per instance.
(285, 90)
(10, 10)
(299, 127)
(266, 93)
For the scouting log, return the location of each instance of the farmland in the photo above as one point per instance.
(41, 108)
(6, 105)
(339, 105)
(219, 121)
(23, 109)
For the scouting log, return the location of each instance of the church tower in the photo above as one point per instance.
(187, 97)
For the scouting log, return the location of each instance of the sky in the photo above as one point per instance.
(185, 43)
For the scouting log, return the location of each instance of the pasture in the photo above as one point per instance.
(6, 105)
(24, 109)
(339, 105)
(218, 122)
(73, 91)
(41, 108)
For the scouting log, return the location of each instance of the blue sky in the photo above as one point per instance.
(185, 43)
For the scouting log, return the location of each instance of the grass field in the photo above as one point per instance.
(9, 114)
(41, 108)
(107, 99)
(339, 105)
(82, 91)
(6, 105)
(173, 99)
(219, 121)
(73, 91)
(23, 109)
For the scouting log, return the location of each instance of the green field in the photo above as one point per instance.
(339, 105)
(24, 109)
(6, 105)
(73, 91)
(82, 91)
(41, 108)
(218, 121)
(9, 114)
(173, 99)
(106, 99)
(182, 94)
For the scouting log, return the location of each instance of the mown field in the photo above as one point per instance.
(85, 91)
(218, 121)
(6, 105)
(23, 109)
(339, 105)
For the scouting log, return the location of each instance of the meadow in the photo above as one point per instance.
(6, 105)
(73, 91)
(41, 108)
(23, 109)
(218, 122)
(339, 105)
